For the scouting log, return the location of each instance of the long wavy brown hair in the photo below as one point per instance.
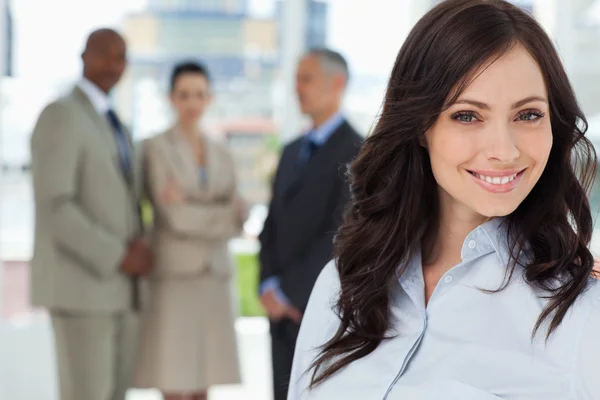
(394, 194)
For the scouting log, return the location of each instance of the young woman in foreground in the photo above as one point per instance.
(462, 269)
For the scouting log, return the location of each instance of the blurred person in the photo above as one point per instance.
(309, 195)
(89, 251)
(463, 268)
(188, 341)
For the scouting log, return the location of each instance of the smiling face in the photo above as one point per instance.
(489, 148)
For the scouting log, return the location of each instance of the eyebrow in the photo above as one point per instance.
(518, 104)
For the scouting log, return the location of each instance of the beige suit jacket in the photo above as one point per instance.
(192, 237)
(85, 211)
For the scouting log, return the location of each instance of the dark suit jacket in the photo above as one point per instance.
(305, 212)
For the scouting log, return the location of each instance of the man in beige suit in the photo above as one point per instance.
(89, 253)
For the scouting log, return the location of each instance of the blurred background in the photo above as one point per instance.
(251, 48)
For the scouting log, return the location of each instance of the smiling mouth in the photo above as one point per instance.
(497, 180)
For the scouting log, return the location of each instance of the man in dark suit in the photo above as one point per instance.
(309, 196)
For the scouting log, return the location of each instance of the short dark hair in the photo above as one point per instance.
(331, 61)
(188, 67)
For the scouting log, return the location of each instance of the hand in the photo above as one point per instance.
(294, 314)
(172, 193)
(138, 260)
(276, 310)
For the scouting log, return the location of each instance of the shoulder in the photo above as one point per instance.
(353, 140)
(56, 119)
(587, 357)
(153, 140)
(293, 144)
(62, 106)
(352, 132)
(588, 302)
(319, 324)
(220, 147)
(327, 286)
(217, 144)
(320, 312)
(150, 144)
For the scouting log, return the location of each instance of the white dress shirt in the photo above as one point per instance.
(99, 99)
(465, 344)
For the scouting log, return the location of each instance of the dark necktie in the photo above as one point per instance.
(309, 149)
(125, 160)
(122, 143)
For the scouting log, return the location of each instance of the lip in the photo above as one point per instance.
(506, 180)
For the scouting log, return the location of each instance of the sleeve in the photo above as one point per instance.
(273, 283)
(208, 221)
(55, 156)
(267, 237)
(588, 361)
(318, 325)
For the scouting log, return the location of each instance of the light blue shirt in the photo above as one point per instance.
(465, 344)
(320, 135)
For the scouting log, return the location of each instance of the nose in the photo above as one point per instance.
(501, 144)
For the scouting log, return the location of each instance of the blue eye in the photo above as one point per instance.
(530, 115)
(465, 117)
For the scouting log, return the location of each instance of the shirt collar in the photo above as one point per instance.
(321, 134)
(100, 100)
(485, 239)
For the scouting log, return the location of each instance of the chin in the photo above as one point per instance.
(499, 210)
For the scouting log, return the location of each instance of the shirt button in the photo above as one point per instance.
(472, 244)
(448, 279)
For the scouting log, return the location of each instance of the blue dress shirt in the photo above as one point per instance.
(465, 344)
(318, 137)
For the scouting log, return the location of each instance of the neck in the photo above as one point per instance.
(106, 92)
(442, 246)
(318, 119)
(189, 129)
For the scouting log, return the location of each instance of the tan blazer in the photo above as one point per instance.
(192, 237)
(85, 212)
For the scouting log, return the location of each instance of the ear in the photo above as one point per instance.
(339, 82)
(210, 99)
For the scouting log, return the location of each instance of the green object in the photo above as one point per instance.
(147, 213)
(247, 285)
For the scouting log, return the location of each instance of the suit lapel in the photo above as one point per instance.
(213, 168)
(101, 123)
(182, 160)
(316, 163)
(106, 133)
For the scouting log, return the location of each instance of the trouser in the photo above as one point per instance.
(95, 354)
(283, 342)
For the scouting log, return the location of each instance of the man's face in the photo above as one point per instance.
(105, 63)
(316, 89)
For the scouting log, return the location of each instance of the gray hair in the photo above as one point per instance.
(331, 61)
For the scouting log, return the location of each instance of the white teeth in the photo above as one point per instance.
(496, 180)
